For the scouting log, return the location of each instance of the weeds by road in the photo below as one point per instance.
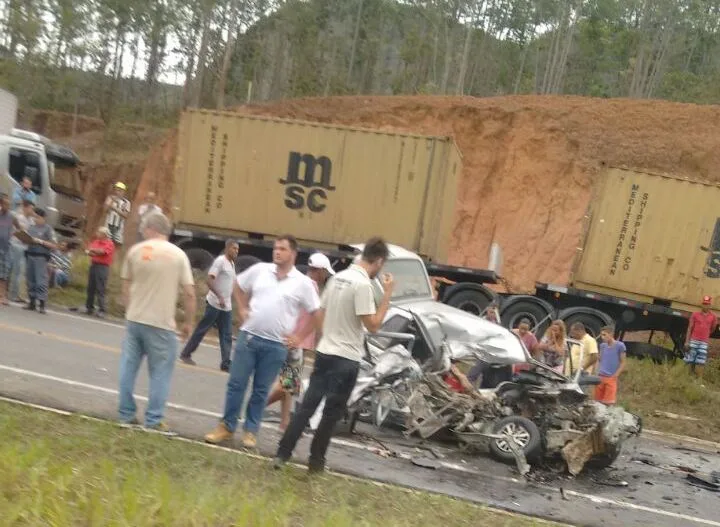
(68, 471)
(646, 387)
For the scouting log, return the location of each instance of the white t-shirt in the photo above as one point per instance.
(275, 305)
(223, 270)
(347, 297)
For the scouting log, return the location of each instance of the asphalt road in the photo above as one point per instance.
(71, 362)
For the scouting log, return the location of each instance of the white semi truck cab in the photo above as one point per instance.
(53, 169)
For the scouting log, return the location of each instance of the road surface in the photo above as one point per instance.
(71, 362)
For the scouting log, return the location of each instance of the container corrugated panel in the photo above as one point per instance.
(321, 183)
(653, 237)
(8, 111)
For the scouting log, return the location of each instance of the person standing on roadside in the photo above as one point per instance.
(703, 323)
(38, 256)
(290, 380)
(8, 222)
(147, 207)
(610, 365)
(270, 297)
(25, 216)
(117, 209)
(153, 273)
(24, 193)
(101, 251)
(348, 304)
(589, 351)
(218, 307)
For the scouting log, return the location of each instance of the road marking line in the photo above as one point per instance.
(95, 345)
(343, 442)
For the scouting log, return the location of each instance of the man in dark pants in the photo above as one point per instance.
(101, 251)
(348, 304)
(38, 256)
(218, 307)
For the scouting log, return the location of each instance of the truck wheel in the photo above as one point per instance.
(199, 258)
(245, 261)
(535, 313)
(525, 433)
(592, 324)
(470, 300)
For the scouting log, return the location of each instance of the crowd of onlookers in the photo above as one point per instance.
(30, 250)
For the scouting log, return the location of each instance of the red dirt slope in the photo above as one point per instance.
(529, 162)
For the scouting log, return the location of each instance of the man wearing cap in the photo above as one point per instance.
(702, 324)
(218, 307)
(290, 380)
(101, 251)
(38, 256)
(117, 209)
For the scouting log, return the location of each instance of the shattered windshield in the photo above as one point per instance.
(410, 279)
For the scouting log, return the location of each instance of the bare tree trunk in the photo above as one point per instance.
(202, 58)
(227, 55)
(460, 85)
(353, 47)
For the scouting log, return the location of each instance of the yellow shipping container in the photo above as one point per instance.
(652, 238)
(249, 176)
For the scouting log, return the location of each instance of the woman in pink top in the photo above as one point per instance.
(288, 384)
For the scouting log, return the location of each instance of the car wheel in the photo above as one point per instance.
(525, 433)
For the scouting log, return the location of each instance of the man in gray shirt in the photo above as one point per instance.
(8, 223)
(38, 256)
(348, 304)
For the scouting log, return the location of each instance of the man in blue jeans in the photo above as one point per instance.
(153, 272)
(218, 307)
(270, 298)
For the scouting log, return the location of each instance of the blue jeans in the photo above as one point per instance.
(263, 357)
(223, 321)
(17, 269)
(160, 347)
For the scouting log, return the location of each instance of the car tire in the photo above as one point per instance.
(527, 434)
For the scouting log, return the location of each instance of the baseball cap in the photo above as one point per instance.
(120, 185)
(320, 261)
(707, 300)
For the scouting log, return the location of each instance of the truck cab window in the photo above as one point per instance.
(24, 163)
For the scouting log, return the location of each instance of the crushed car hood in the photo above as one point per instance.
(468, 335)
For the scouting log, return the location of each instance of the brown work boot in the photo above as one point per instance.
(220, 434)
(249, 440)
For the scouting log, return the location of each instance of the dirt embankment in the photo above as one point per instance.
(529, 162)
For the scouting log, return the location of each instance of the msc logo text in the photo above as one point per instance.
(307, 191)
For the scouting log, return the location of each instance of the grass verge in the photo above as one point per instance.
(646, 387)
(57, 470)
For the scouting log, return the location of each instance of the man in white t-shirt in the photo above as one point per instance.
(348, 308)
(153, 273)
(270, 298)
(218, 307)
(144, 210)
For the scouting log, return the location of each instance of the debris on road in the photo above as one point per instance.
(707, 482)
(670, 415)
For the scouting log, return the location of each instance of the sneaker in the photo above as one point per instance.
(279, 463)
(41, 309)
(249, 440)
(188, 360)
(30, 306)
(219, 435)
(100, 314)
(225, 368)
(316, 468)
(161, 428)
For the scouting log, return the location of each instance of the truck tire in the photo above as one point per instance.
(592, 324)
(470, 300)
(514, 313)
(526, 434)
(245, 261)
(200, 259)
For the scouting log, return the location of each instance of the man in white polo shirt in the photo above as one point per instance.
(218, 307)
(270, 298)
(348, 304)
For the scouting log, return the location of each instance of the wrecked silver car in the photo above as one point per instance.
(535, 414)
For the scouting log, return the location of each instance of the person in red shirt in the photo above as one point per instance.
(702, 325)
(100, 251)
